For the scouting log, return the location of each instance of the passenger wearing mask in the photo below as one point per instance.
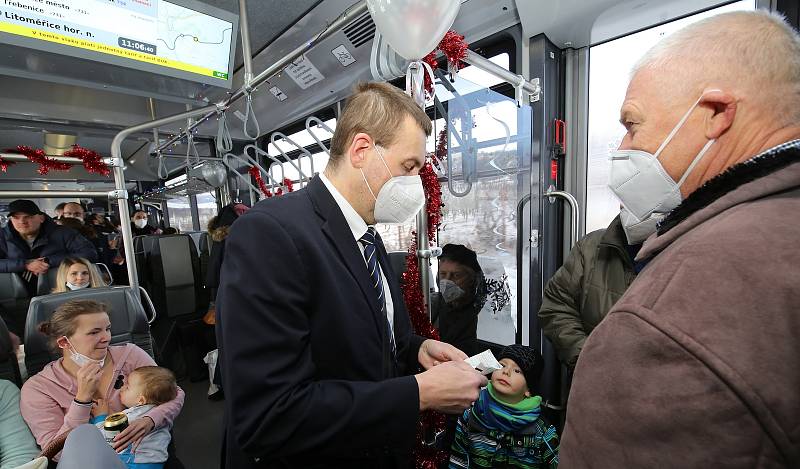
(319, 362)
(32, 243)
(80, 385)
(696, 365)
(139, 225)
(75, 211)
(75, 273)
(460, 299)
(106, 250)
(598, 270)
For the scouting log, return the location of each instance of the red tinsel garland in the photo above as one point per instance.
(5, 164)
(91, 160)
(454, 48)
(256, 174)
(426, 457)
(39, 157)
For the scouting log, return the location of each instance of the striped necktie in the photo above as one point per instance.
(371, 256)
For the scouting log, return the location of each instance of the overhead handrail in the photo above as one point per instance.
(224, 140)
(466, 130)
(247, 161)
(107, 271)
(300, 174)
(575, 211)
(314, 121)
(273, 182)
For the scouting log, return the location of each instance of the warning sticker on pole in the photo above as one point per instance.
(304, 73)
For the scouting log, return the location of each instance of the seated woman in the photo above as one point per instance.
(85, 382)
(17, 446)
(76, 273)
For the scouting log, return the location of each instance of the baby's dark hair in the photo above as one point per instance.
(158, 384)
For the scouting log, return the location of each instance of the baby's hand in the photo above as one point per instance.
(100, 407)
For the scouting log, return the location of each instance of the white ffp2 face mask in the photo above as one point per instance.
(400, 198)
(140, 223)
(81, 359)
(647, 192)
(74, 287)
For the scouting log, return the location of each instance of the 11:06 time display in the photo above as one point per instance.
(138, 46)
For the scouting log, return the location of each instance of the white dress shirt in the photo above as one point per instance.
(359, 227)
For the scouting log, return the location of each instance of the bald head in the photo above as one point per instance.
(752, 54)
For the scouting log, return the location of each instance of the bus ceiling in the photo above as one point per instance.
(47, 91)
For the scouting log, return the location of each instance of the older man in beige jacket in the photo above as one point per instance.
(697, 364)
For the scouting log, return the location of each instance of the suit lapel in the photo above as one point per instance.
(336, 229)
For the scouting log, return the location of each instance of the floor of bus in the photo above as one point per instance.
(198, 428)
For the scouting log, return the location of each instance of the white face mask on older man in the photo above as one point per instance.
(647, 192)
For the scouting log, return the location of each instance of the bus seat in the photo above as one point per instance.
(204, 247)
(47, 282)
(196, 235)
(9, 366)
(174, 282)
(14, 300)
(128, 321)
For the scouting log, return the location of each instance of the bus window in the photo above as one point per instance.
(180, 214)
(206, 208)
(609, 73)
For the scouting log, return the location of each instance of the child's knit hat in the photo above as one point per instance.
(528, 359)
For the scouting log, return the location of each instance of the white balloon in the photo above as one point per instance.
(413, 27)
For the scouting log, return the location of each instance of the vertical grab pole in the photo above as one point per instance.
(417, 89)
(247, 55)
(125, 224)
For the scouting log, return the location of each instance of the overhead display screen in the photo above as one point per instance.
(152, 35)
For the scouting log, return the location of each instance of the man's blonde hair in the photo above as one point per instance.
(756, 53)
(378, 110)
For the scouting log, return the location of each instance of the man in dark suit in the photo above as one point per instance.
(316, 346)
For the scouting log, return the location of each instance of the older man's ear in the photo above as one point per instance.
(724, 106)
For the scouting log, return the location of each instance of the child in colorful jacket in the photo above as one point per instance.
(504, 428)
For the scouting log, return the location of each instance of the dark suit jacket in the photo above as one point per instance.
(306, 361)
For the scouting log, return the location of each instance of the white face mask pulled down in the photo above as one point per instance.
(400, 198)
(74, 287)
(647, 192)
(81, 359)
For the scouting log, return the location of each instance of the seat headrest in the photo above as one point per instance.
(125, 312)
(12, 287)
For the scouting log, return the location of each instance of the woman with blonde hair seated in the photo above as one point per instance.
(76, 273)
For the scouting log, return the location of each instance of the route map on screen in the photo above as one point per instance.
(156, 32)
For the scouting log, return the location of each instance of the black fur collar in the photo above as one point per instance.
(762, 165)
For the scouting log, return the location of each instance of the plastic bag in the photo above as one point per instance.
(211, 361)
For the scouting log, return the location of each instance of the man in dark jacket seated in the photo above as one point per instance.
(32, 244)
